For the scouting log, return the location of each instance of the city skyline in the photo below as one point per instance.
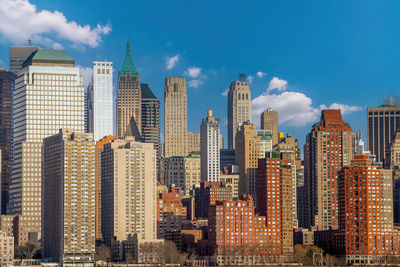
(292, 63)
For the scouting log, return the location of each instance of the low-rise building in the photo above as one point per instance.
(6, 249)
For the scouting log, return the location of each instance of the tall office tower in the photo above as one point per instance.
(368, 230)
(68, 197)
(175, 117)
(239, 107)
(269, 121)
(129, 95)
(227, 158)
(18, 54)
(89, 108)
(209, 139)
(328, 148)
(170, 212)
(183, 172)
(382, 123)
(128, 190)
(151, 118)
(6, 87)
(103, 108)
(266, 137)
(247, 153)
(48, 96)
(193, 142)
(301, 200)
(99, 149)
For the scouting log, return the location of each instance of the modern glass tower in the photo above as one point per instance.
(103, 104)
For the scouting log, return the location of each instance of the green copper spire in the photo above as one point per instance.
(128, 63)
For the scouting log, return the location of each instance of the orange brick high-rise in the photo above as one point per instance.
(365, 212)
(328, 148)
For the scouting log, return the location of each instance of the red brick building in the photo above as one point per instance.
(171, 212)
(208, 194)
(237, 236)
(365, 212)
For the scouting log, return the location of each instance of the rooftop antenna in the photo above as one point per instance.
(242, 77)
(29, 42)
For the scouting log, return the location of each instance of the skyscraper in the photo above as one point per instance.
(6, 87)
(382, 123)
(68, 198)
(266, 137)
(128, 190)
(210, 146)
(103, 108)
(129, 103)
(328, 148)
(48, 96)
(175, 117)
(247, 153)
(151, 118)
(269, 121)
(18, 55)
(239, 107)
(89, 108)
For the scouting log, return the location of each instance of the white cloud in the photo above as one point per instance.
(225, 93)
(171, 62)
(58, 46)
(86, 73)
(260, 74)
(193, 72)
(294, 108)
(195, 83)
(345, 109)
(277, 84)
(250, 79)
(20, 20)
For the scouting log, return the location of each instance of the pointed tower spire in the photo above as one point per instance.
(128, 65)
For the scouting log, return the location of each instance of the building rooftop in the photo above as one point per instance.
(49, 56)
(146, 91)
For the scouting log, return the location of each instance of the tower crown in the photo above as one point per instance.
(128, 65)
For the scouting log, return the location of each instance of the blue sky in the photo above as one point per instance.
(302, 55)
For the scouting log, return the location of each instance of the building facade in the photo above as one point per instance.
(193, 142)
(7, 79)
(183, 172)
(175, 117)
(365, 212)
(103, 104)
(239, 108)
(129, 103)
(247, 153)
(68, 197)
(151, 126)
(276, 198)
(48, 96)
(99, 149)
(128, 190)
(269, 121)
(208, 194)
(170, 212)
(266, 137)
(210, 148)
(382, 124)
(328, 148)
(6, 249)
(89, 108)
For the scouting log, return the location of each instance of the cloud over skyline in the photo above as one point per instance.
(171, 62)
(20, 20)
(294, 108)
(193, 72)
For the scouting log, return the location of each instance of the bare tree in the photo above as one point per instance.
(102, 253)
(27, 251)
